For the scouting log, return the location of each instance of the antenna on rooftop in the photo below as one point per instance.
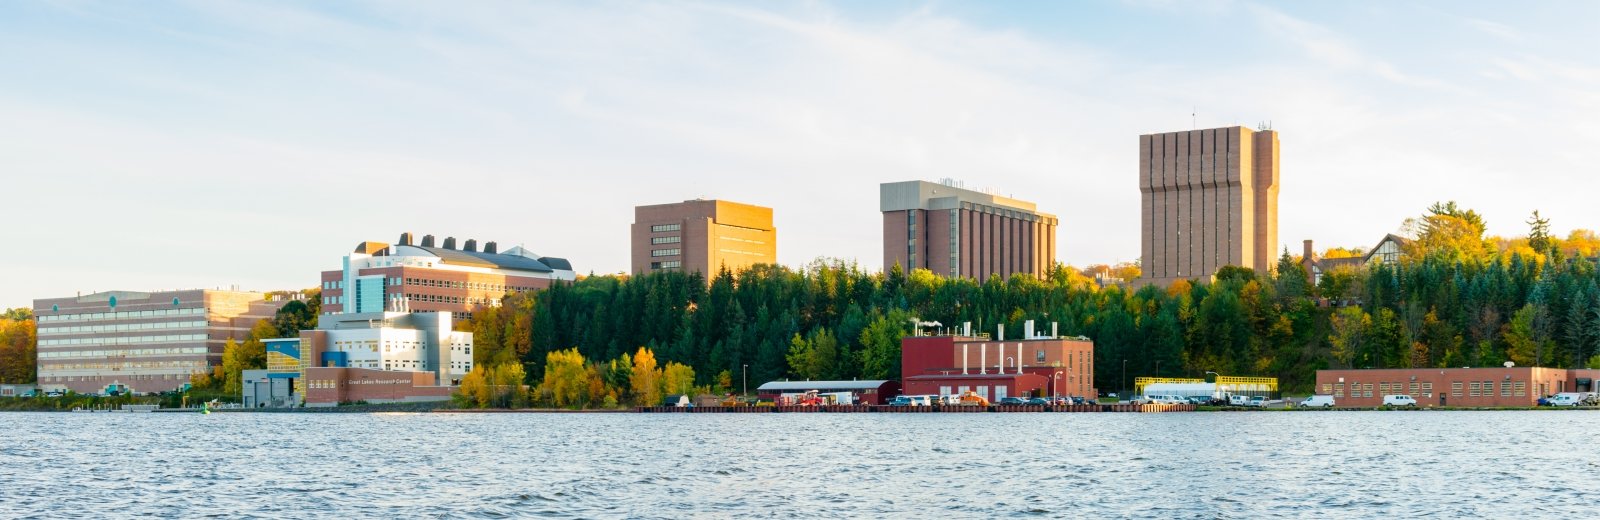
(1194, 118)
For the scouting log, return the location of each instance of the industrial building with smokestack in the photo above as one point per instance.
(1033, 365)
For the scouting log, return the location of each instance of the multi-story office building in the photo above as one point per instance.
(425, 277)
(958, 232)
(126, 341)
(376, 342)
(1208, 199)
(703, 236)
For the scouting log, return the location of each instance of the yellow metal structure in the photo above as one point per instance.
(1231, 384)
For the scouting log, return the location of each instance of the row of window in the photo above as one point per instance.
(125, 377)
(666, 252)
(123, 353)
(662, 228)
(666, 240)
(120, 327)
(122, 340)
(448, 284)
(121, 315)
(469, 300)
(668, 264)
(1415, 389)
(124, 365)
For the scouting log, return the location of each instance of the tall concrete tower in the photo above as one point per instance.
(1208, 198)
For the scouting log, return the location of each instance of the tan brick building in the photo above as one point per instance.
(1208, 198)
(132, 341)
(703, 236)
(954, 231)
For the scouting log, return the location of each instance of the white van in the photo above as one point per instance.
(1399, 400)
(1238, 400)
(1566, 399)
(1317, 401)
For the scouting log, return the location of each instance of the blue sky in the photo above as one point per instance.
(149, 146)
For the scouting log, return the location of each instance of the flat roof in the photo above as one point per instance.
(819, 385)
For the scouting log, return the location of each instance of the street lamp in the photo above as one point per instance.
(1124, 375)
(1055, 391)
(744, 374)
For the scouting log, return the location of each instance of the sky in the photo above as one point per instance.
(166, 145)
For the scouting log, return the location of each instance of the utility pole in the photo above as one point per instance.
(744, 373)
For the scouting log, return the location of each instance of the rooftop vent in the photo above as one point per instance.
(405, 239)
(427, 240)
(449, 242)
(472, 246)
(491, 248)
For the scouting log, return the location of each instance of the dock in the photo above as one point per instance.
(864, 408)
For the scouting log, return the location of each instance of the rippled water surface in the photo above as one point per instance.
(1542, 464)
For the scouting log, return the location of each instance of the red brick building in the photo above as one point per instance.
(425, 277)
(958, 232)
(329, 386)
(1472, 387)
(995, 368)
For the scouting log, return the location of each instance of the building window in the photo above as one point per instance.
(665, 252)
(1455, 389)
(662, 228)
(666, 240)
(1473, 389)
(1521, 388)
(669, 264)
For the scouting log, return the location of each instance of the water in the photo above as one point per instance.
(1543, 464)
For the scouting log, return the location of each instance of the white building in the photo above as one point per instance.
(412, 342)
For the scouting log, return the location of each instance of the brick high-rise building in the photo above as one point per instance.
(1208, 198)
(703, 236)
(959, 232)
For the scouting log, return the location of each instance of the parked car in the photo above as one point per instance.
(1079, 400)
(1238, 400)
(1012, 400)
(1257, 401)
(1399, 400)
(1041, 400)
(904, 400)
(1199, 400)
(1317, 401)
(53, 393)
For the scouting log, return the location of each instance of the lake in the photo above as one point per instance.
(1366, 464)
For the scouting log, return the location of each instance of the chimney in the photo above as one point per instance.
(405, 239)
(427, 240)
(1308, 254)
(491, 248)
(1002, 336)
(449, 242)
(1027, 329)
(472, 246)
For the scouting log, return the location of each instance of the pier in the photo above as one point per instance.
(862, 408)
